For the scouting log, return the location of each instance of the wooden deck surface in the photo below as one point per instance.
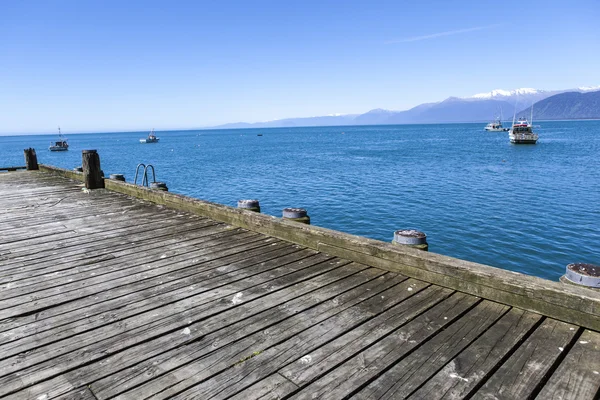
(104, 296)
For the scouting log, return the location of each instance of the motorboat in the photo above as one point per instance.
(61, 144)
(495, 126)
(151, 138)
(522, 132)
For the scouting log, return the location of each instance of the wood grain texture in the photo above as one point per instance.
(273, 387)
(103, 295)
(521, 374)
(467, 370)
(578, 376)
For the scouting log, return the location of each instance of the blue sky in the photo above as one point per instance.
(128, 65)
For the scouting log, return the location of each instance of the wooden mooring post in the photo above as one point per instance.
(31, 160)
(92, 173)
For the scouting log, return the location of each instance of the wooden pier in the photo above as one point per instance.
(130, 293)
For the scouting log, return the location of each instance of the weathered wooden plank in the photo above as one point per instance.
(37, 334)
(71, 257)
(58, 231)
(69, 201)
(27, 220)
(88, 206)
(71, 291)
(152, 290)
(83, 393)
(465, 371)
(47, 361)
(412, 371)
(230, 375)
(520, 375)
(273, 387)
(366, 365)
(34, 191)
(41, 219)
(58, 201)
(156, 241)
(38, 196)
(101, 229)
(120, 231)
(45, 193)
(22, 281)
(196, 240)
(283, 312)
(23, 209)
(93, 221)
(311, 366)
(220, 329)
(578, 376)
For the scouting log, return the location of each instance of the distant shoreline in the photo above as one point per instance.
(145, 131)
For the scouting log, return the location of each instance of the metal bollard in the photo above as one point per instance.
(296, 214)
(411, 238)
(159, 186)
(251, 205)
(118, 177)
(582, 274)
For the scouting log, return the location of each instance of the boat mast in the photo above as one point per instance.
(515, 113)
(531, 114)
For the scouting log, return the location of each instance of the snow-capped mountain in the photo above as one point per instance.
(522, 96)
(525, 96)
(480, 107)
(588, 88)
(506, 93)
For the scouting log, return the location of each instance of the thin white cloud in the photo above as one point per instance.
(441, 34)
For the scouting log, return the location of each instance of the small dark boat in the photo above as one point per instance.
(61, 144)
(151, 138)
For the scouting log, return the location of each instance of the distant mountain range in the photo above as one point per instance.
(579, 103)
(571, 105)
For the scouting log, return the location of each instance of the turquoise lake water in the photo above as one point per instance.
(526, 208)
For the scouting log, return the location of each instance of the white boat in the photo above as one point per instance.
(61, 144)
(151, 138)
(522, 132)
(495, 126)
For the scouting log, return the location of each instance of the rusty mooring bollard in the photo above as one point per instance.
(582, 274)
(251, 205)
(296, 214)
(411, 238)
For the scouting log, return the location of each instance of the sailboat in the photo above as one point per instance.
(61, 144)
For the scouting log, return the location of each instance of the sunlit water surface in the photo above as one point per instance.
(527, 208)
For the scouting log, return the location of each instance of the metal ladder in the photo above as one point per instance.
(145, 177)
(146, 182)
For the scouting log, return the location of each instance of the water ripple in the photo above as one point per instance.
(531, 209)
